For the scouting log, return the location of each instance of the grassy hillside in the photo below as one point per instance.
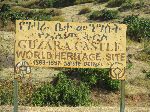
(96, 88)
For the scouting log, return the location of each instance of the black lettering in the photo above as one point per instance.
(123, 56)
(20, 54)
(21, 45)
(108, 57)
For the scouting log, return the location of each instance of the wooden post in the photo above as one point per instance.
(122, 99)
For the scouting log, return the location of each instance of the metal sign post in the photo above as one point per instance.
(15, 95)
(122, 99)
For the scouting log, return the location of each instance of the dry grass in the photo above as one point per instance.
(74, 109)
(133, 89)
(20, 9)
(28, 3)
(58, 18)
(141, 82)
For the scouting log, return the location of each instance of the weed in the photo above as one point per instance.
(126, 7)
(94, 78)
(101, 1)
(104, 15)
(148, 75)
(138, 28)
(63, 92)
(117, 3)
(85, 10)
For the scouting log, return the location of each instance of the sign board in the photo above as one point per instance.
(71, 45)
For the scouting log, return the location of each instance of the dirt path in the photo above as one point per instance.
(74, 109)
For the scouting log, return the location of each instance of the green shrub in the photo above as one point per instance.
(101, 1)
(85, 10)
(104, 15)
(111, 85)
(6, 97)
(148, 75)
(56, 12)
(61, 3)
(126, 7)
(39, 16)
(13, 16)
(109, 14)
(83, 1)
(118, 3)
(63, 92)
(94, 78)
(46, 3)
(138, 28)
(6, 93)
(5, 8)
(129, 65)
(95, 15)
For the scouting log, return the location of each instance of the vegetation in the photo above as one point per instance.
(104, 15)
(126, 7)
(85, 10)
(83, 1)
(72, 87)
(138, 28)
(46, 3)
(94, 78)
(6, 93)
(7, 14)
(58, 18)
(95, 15)
(100, 1)
(117, 3)
(61, 3)
(63, 92)
(148, 75)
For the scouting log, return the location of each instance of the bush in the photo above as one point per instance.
(109, 14)
(56, 12)
(13, 16)
(46, 3)
(5, 8)
(138, 28)
(110, 84)
(126, 7)
(85, 10)
(63, 92)
(6, 97)
(117, 3)
(94, 78)
(104, 15)
(6, 93)
(99, 1)
(64, 3)
(61, 3)
(148, 75)
(95, 15)
(83, 1)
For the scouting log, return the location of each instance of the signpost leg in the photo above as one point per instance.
(15, 95)
(122, 101)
